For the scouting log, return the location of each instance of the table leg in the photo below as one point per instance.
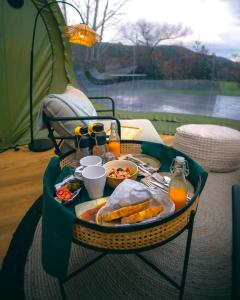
(187, 252)
(61, 282)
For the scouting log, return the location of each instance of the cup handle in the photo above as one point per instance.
(78, 172)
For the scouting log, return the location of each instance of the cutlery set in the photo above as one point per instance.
(152, 179)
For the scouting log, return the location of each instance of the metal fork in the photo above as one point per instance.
(149, 184)
(136, 161)
(155, 185)
(145, 170)
(161, 179)
(143, 167)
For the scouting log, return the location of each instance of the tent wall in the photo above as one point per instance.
(52, 65)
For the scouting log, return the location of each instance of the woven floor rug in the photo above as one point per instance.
(127, 277)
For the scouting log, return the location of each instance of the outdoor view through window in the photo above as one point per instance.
(162, 56)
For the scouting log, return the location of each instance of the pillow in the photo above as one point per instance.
(72, 103)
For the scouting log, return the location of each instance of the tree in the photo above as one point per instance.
(200, 48)
(151, 34)
(203, 64)
(100, 15)
(236, 59)
(147, 36)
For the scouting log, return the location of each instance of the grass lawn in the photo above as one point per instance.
(229, 88)
(166, 123)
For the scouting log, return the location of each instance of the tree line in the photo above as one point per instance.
(166, 62)
(142, 48)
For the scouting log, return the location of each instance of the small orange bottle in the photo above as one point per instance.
(114, 141)
(178, 184)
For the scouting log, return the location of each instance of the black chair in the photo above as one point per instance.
(58, 139)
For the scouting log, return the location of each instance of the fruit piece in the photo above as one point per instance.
(64, 194)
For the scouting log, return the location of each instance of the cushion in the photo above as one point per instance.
(147, 133)
(216, 148)
(72, 103)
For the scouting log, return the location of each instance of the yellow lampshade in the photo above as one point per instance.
(81, 34)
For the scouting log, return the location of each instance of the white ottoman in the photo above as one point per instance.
(216, 148)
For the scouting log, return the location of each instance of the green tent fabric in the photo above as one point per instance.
(58, 220)
(52, 65)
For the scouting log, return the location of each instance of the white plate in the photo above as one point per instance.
(83, 207)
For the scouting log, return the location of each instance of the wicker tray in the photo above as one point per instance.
(135, 237)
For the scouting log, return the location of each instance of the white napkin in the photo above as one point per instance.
(131, 192)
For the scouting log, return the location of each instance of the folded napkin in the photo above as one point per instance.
(131, 192)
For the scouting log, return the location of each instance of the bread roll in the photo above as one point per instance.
(142, 215)
(126, 211)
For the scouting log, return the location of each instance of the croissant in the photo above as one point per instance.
(126, 211)
(142, 215)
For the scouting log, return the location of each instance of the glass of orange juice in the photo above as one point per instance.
(178, 196)
(114, 141)
(178, 185)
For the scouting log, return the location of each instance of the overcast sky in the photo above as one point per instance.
(216, 23)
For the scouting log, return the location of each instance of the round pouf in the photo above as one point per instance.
(216, 148)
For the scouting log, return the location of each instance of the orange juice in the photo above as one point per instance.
(114, 147)
(178, 196)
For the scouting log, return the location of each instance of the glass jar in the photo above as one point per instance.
(100, 148)
(82, 142)
(114, 140)
(178, 184)
(95, 130)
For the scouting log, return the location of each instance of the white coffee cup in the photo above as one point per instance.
(94, 179)
(91, 160)
(87, 161)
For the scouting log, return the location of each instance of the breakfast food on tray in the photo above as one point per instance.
(126, 211)
(67, 189)
(64, 194)
(142, 215)
(130, 203)
(120, 173)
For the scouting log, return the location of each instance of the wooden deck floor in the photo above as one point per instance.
(21, 184)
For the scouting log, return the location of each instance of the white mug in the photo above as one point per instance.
(87, 161)
(94, 179)
(91, 160)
